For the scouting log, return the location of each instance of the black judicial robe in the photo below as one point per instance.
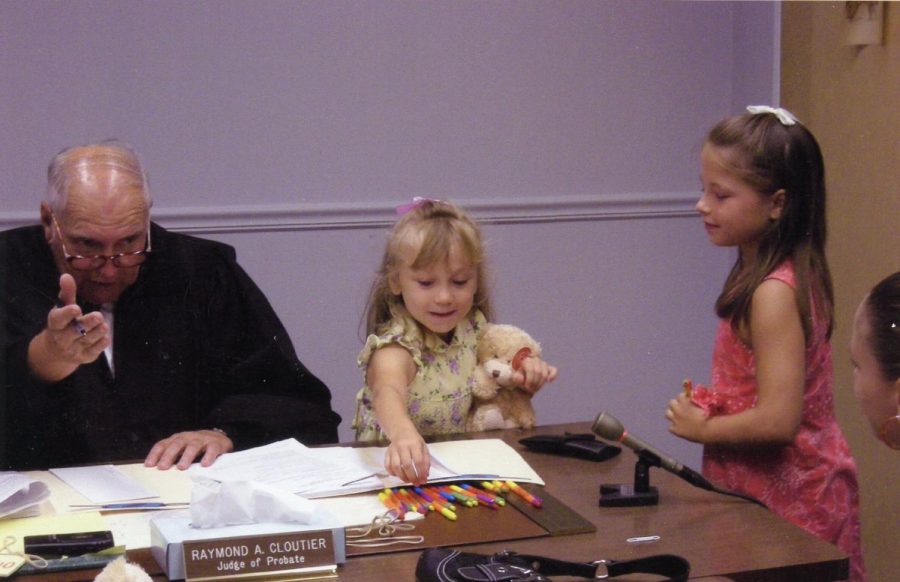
(196, 346)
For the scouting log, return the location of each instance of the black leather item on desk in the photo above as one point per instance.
(448, 565)
(51, 546)
(583, 446)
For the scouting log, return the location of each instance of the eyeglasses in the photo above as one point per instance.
(92, 262)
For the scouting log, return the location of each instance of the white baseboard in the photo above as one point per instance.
(352, 215)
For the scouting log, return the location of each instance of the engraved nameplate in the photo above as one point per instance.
(295, 556)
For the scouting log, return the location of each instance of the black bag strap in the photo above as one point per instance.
(674, 567)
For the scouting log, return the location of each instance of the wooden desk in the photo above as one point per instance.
(722, 537)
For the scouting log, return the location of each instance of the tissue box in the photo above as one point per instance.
(244, 550)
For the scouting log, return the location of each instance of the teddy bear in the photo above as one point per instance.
(121, 571)
(497, 403)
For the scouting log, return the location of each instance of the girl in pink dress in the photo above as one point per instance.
(767, 421)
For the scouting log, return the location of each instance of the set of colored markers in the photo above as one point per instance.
(445, 498)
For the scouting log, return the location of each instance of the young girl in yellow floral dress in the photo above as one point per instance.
(426, 308)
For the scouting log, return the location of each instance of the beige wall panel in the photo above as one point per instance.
(850, 98)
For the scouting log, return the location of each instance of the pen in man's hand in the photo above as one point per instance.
(74, 323)
(77, 325)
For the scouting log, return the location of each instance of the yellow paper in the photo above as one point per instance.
(49, 524)
(172, 485)
(484, 457)
(130, 528)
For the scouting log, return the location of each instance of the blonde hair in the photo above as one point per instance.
(423, 237)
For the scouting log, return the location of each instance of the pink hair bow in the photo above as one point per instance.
(417, 202)
(783, 115)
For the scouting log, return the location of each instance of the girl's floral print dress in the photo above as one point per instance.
(441, 393)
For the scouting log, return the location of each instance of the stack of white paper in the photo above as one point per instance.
(20, 495)
(103, 483)
(331, 471)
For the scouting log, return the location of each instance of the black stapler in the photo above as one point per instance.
(583, 446)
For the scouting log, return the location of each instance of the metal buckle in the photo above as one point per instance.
(498, 571)
(599, 563)
(525, 574)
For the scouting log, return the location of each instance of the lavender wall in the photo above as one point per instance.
(291, 129)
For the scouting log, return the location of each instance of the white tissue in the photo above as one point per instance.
(218, 504)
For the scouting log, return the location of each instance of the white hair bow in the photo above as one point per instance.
(783, 115)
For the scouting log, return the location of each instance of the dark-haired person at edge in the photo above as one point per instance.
(124, 341)
(875, 353)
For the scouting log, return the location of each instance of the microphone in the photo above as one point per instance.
(608, 427)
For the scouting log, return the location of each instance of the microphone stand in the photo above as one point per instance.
(641, 493)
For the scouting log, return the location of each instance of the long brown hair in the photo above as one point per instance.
(425, 236)
(770, 156)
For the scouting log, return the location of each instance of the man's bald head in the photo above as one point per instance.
(109, 168)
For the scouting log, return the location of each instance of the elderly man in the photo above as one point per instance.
(123, 340)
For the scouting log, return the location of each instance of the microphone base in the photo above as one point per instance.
(624, 495)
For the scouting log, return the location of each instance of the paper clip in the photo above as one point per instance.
(385, 525)
(642, 539)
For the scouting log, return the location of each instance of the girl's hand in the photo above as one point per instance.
(390, 371)
(407, 457)
(685, 419)
(533, 374)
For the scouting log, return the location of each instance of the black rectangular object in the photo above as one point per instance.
(68, 544)
(582, 446)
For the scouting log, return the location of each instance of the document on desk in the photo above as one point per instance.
(332, 471)
(103, 483)
(291, 466)
(484, 457)
(20, 495)
(474, 459)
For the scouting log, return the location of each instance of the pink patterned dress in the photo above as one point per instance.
(811, 482)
